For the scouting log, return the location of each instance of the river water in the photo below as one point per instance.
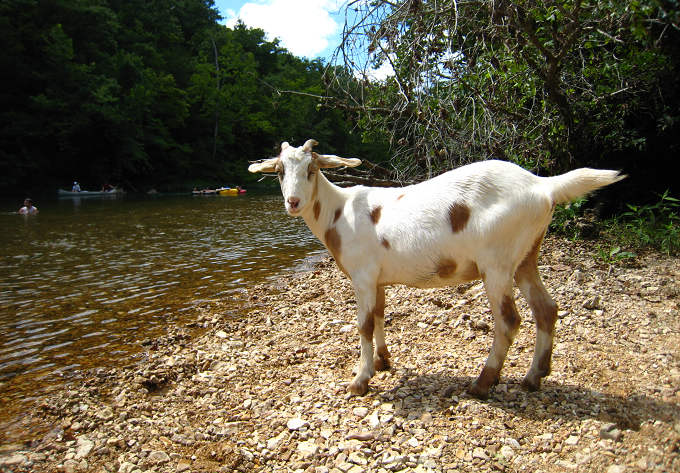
(85, 280)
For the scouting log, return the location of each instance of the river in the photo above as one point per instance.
(87, 279)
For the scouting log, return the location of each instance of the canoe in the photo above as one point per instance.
(65, 193)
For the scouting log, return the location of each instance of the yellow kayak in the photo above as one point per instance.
(231, 191)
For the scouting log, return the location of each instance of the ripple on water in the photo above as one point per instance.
(82, 284)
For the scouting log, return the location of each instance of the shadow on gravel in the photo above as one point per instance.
(552, 401)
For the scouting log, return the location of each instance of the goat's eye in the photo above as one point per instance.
(310, 174)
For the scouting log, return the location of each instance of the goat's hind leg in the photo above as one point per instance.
(545, 315)
(506, 323)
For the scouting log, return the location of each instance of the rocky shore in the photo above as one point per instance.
(264, 389)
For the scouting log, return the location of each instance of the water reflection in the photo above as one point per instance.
(82, 282)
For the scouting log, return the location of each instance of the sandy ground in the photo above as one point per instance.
(264, 388)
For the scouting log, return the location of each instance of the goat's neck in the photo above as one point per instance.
(331, 198)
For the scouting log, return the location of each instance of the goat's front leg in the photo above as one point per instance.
(506, 323)
(366, 307)
(381, 357)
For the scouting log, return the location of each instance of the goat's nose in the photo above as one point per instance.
(293, 202)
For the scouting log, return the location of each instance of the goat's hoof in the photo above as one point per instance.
(381, 364)
(478, 391)
(358, 388)
(531, 384)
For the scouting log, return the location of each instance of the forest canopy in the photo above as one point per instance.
(149, 93)
(159, 94)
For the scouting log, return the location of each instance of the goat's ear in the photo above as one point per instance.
(284, 145)
(333, 161)
(268, 165)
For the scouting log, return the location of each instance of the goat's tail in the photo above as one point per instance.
(574, 184)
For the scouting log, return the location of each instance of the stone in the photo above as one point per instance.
(71, 466)
(296, 423)
(360, 412)
(507, 452)
(610, 432)
(274, 442)
(616, 469)
(105, 414)
(126, 467)
(13, 460)
(84, 447)
(158, 457)
(571, 440)
(307, 449)
(182, 467)
(479, 453)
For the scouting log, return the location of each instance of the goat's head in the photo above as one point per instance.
(298, 170)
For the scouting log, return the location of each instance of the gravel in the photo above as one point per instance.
(267, 392)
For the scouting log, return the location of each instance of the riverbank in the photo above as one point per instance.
(267, 392)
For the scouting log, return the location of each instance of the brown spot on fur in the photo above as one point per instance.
(542, 305)
(459, 214)
(471, 272)
(509, 313)
(333, 243)
(400, 196)
(446, 268)
(317, 210)
(527, 268)
(367, 326)
(385, 243)
(544, 309)
(375, 214)
(338, 212)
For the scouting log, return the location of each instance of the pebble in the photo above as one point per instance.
(507, 452)
(610, 432)
(13, 460)
(84, 448)
(360, 412)
(158, 457)
(307, 449)
(296, 423)
(480, 453)
(616, 469)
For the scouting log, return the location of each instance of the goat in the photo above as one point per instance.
(485, 221)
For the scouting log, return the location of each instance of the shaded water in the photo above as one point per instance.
(88, 278)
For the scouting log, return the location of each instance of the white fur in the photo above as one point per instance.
(509, 212)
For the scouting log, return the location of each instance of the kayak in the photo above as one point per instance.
(65, 193)
(230, 190)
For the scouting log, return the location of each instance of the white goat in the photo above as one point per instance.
(484, 220)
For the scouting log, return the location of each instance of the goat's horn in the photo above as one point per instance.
(309, 144)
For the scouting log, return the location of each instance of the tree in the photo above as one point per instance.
(551, 85)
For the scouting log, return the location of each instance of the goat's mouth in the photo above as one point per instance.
(293, 212)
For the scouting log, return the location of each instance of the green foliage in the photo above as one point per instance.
(613, 254)
(654, 225)
(148, 93)
(565, 219)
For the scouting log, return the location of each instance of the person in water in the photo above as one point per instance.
(76, 187)
(28, 208)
